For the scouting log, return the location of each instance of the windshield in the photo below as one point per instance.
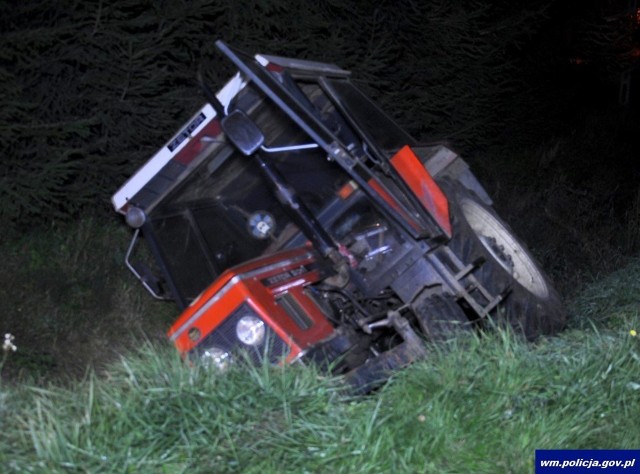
(377, 127)
(216, 220)
(224, 213)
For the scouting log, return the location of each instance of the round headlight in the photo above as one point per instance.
(215, 357)
(250, 330)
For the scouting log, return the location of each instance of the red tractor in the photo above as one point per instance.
(292, 220)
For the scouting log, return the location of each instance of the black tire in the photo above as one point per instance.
(532, 306)
(441, 318)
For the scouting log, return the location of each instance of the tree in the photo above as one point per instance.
(93, 88)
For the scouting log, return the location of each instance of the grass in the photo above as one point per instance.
(66, 295)
(481, 405)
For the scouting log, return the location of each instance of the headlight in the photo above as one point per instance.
(215, 357)
(250, 330)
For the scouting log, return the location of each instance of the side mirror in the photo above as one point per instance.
(242, 132)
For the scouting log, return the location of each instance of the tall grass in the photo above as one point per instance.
(480, 405)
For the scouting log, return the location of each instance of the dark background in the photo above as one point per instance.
(528, 92)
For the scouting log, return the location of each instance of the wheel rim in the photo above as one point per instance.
(504, 248)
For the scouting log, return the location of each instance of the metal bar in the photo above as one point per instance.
(303, 216)
(133, 270)
(149, 235)
(279, 149)
(317, 131)
(375, 371)
(302, 117)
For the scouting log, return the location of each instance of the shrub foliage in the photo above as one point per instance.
(92, 88)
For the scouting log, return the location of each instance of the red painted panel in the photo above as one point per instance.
(258, 282)
(423, 186)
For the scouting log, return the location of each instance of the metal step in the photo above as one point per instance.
(454, 278)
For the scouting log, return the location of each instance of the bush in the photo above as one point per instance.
(92, 89)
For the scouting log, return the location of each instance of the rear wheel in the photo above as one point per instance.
(531, 305)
